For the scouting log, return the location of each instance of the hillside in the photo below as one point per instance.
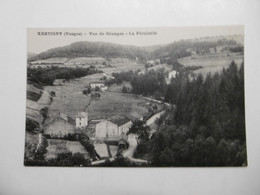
(105, 50)
(92, 49)
(31, 54)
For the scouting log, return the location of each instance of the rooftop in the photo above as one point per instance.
(119, 119)
(82, 115)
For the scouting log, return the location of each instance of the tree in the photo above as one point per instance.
(141, 129)
(86, 91)
(124, 90)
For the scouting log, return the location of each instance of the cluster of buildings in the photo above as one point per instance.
(102, 129)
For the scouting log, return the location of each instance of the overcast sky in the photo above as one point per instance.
(39, 43)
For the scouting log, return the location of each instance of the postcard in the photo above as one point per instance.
(135, 97)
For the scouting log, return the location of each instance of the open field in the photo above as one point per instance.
(85, 60)
(101, 149)
(167, 67)
(111, 104)
(113, 150)
(123, 67)
(118, 88)
(69, 98)
(211, 63)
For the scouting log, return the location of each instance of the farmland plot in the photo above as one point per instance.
(57, 146)
(69, 98)
(211, 63)
(118, 104)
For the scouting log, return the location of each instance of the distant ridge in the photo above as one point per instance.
(112, 50)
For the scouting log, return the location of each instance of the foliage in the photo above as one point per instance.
(46, 76)
(86, 91)
(124, 90)
(37, 154)
(70, 160)
(89, 147)
(95, 96)
(90, 49)
(31, 125)
(206, 127)
(141, 129)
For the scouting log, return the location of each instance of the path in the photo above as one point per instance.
(39, 142)
(131, 149)
(152, 119)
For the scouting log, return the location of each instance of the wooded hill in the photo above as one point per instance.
(176, 49)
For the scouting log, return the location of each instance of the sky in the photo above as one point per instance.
(42, 39)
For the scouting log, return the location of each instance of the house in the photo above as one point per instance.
(59, 82)
(212, 50)
(103, 88)
(58, 128)
(123, 123)
(112, 128)
(106, 129)
(172, 74)
(98, 84)
(81, 120)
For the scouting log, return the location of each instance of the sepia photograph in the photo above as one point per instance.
(135, 97)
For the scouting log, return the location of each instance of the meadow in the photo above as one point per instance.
(111, 104)
(70, 100)
(211, 64)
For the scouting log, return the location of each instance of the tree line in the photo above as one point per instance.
(46, 76)
(206, 127)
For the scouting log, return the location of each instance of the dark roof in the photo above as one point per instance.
(82, 115)
(119, 120)
(58, 81)
(100, 81)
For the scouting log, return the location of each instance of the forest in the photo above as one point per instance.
(46, 76)
(206, 125)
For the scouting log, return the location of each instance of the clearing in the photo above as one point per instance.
(211, 63)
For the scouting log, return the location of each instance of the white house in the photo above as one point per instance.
(106, 129)
(172, 74)
(81, 120)
(112, 128)
(98, 84)
(59, 82)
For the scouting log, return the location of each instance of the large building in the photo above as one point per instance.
(112, 128)
(98, 84)
(81, 120)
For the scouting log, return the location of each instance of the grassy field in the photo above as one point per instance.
(69, 98)
(211, 63)
(118, 104)
(123, 67)
(160, 66)
(113, 150)
(118, 88)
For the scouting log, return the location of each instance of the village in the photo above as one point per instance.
(92, 113)
(65, 126)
